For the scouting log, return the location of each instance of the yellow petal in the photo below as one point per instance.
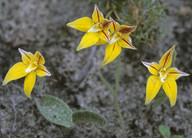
(166, 59)
(115, 25)
(39, 58)
(15, 72)
(89, 39)
(29, 83)
(126, 42)
(126, 30)
(26, 56)
(175, 73)
(111, 52)
(101, 42)
(97, 15)
(104, 35)
(170, 88)
(42, 71)
(153, 85)
(83, 24)
(152, 67)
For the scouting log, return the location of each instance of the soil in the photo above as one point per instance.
(41, 25)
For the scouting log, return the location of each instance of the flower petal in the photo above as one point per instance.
(15, 72)
(175, 73)
(152, 67)
(26, 56)
(89, 39)
(39, 58)
(29, 83)
(83, 24)
(42, 71)
(101, 42)
(115, 25)
(126, 30)
(166, 59)
(97, 15)
(111, 52)
(104, 35)
(153, 85)
(170, 88)
(126, 42)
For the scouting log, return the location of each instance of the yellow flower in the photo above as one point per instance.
(163, 75)
(31, 66)
(96, 29)
(119, 38)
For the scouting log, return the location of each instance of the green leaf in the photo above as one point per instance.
(55, 110)
(177, 136)
(88, 117)
(165, 131)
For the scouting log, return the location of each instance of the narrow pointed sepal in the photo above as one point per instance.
(175, 73)
(83, 24)
(42, 71)
(166, 60)
(97, 15)
(15, 72)
(153, 85)
(29, 83)
(126, 42)
(126, 30)
(170, 88)
(111, 52)
(26, 56)
(114, 25)
(152, 67)
(39, 58)
(89, 39)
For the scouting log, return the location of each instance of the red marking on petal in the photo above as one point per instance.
(126, 30)
(166, 58)
(113, 22)
(128, 43)
(25, 54)
(113, 47)
(45, 71)
(176, 73)
(106, 36)
(106, 24)
(39, 59)
(150, 65)
(114, 26)
(97, 10)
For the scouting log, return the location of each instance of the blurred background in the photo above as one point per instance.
(41, 25)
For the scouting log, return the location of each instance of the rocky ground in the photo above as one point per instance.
(41, 25)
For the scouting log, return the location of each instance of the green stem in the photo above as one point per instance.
(40, 87)
(114, 93)
(115, 97)
(106, 84)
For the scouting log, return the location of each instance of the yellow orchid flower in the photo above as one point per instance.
(96, 29)
(31, 66)
(163, 75)
(119, 38)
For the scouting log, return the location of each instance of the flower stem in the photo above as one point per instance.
(114, 93)
(115, 97)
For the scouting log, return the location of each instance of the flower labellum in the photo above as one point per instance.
(31, 66)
